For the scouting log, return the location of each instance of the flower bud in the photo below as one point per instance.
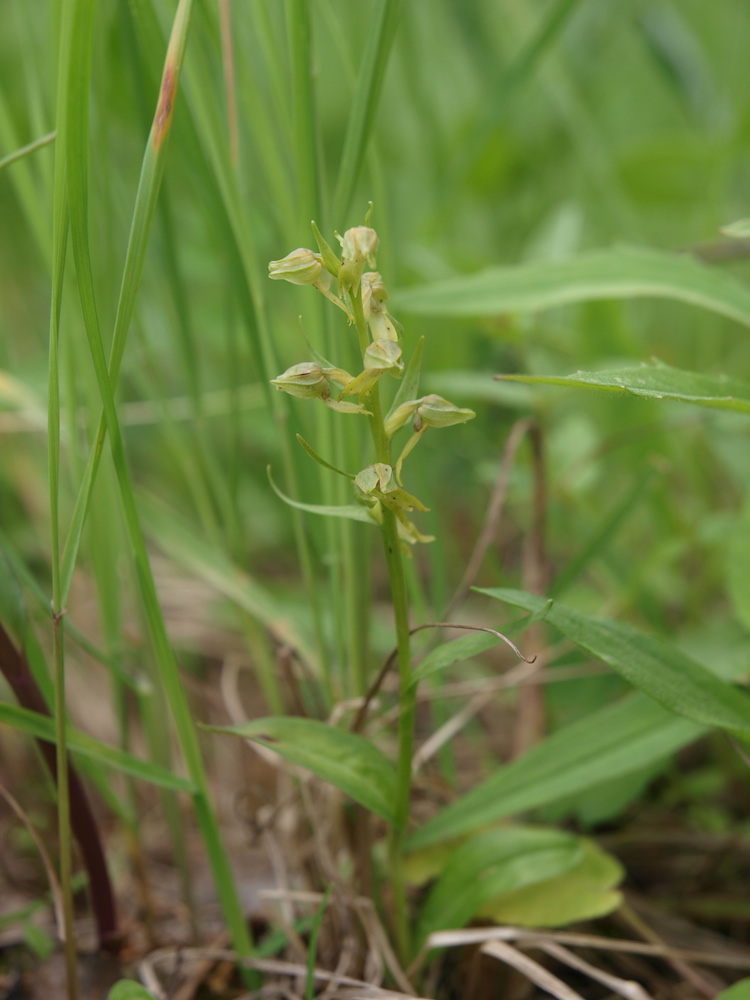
(301, 267)
(305, 381)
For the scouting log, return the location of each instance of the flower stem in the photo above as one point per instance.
(406, 718)
(407, 691)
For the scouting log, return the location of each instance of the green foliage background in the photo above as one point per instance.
(521, 133)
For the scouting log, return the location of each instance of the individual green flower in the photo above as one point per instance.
(305, 381)
(374, 295)
(428, 411)
(381, 356)
(377, 482)
(305, 267)
(309, 380)
(300, 267)
(359, 244)
(358, 248)
(434, 411)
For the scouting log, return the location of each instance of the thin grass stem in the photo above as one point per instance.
(32, 147)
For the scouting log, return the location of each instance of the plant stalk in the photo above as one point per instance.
(407, 690)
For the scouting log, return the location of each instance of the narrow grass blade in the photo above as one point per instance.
(511, 80)
(364, 104)
(350, 762)
(655, 381)
(149, 183)
(27, 150)
(312, 950)
(620, 272)
(611, 742)
(658, 668)
(305, 143)
(77, 153)
(43, 728)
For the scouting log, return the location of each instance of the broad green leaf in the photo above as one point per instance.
(491, 863)
(346, 760)
(658, 668)
(583, 892)
(129, 989)
(656, 381)
(618, 272)
(351, 512)
(737, 991)
(454, 652)
(43, 728)
(615, 740)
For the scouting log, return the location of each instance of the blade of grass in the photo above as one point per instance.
(305, 143)
(43, 728)
(27, 150)
(59, 240)
(380, 36)
(505, 88)
(77, 153)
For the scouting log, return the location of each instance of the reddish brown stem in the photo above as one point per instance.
(15, 668)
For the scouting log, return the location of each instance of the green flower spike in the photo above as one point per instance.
(380, 357)
(429, 411)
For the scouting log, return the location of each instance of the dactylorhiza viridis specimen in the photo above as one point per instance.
(362, 296)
